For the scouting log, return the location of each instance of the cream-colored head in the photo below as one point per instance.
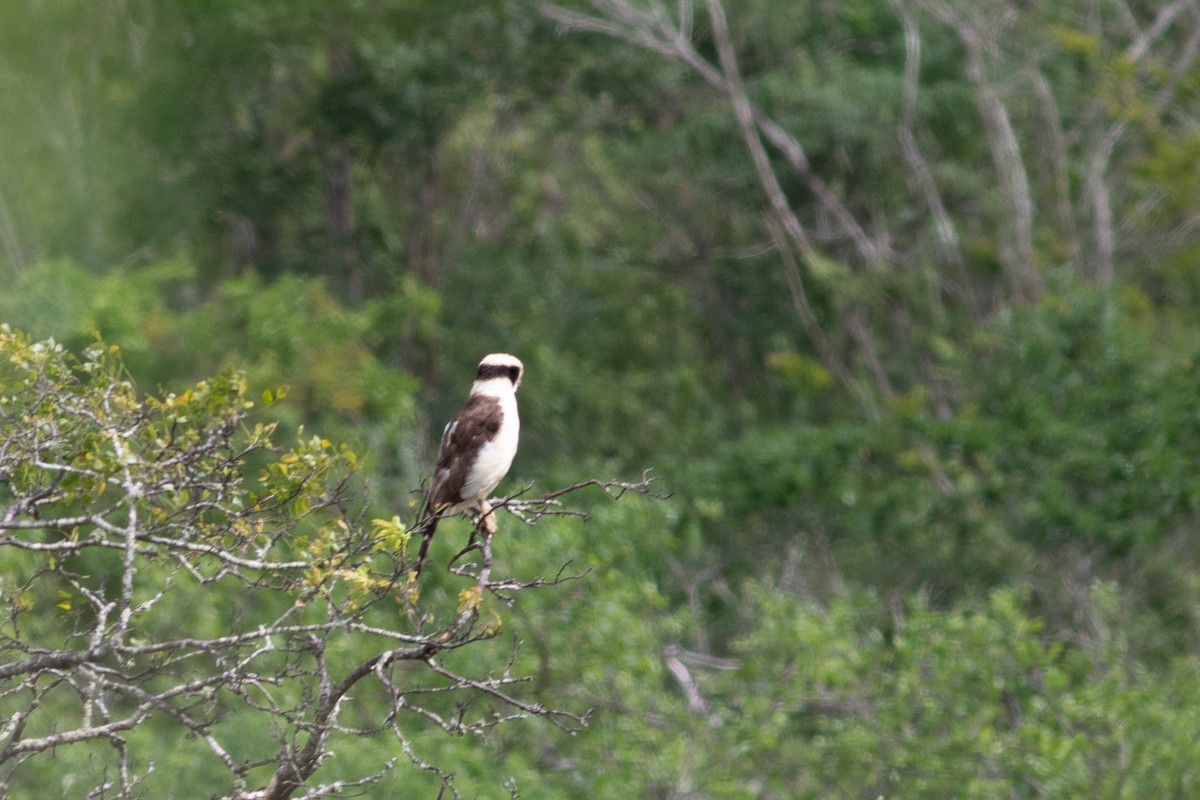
(498, 373)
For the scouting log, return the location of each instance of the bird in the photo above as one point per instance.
(477, 449)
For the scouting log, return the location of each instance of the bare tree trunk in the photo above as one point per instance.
(1057, 147)
(1103, 237)
(1016, 248)
(947, 237)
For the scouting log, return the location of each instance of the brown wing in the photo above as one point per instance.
(476, 424)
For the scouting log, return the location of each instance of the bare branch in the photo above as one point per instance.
(1104, 144)
(549, 505)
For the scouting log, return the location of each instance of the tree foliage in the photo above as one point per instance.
(168, 567)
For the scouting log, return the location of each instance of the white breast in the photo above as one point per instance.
(496, 456)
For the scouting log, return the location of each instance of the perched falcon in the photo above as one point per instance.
(477, 448)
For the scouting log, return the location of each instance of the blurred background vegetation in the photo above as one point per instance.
(934, 530)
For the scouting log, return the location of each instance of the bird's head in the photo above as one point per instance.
(500, 367)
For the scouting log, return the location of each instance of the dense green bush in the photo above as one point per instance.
(1069, 455)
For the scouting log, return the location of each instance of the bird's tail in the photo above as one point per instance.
(425, 527)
